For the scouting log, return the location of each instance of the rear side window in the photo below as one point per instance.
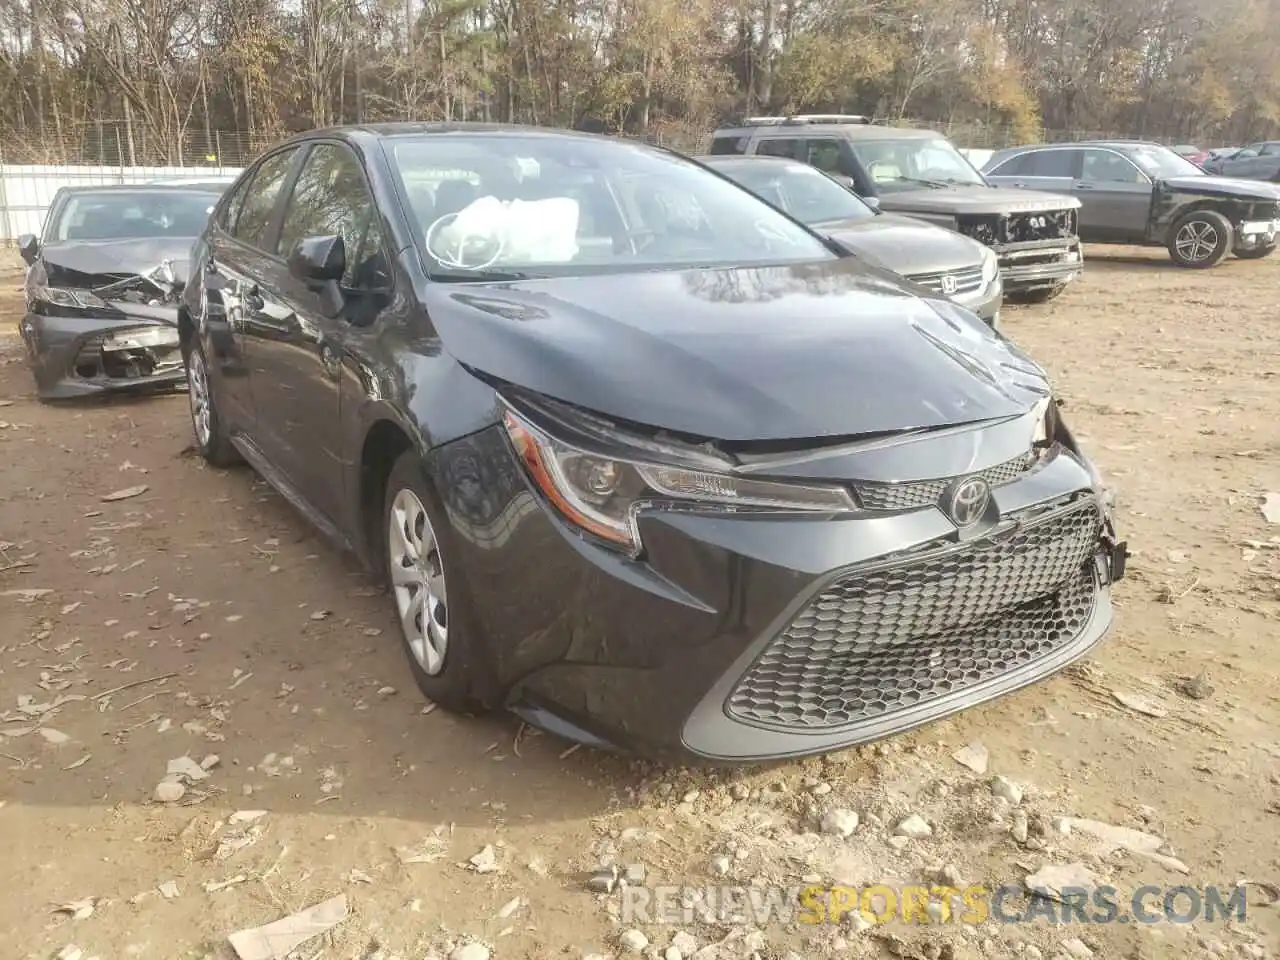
(780, 148)
(231, 206)
(728, 146)
(260, 198)
(1052, 163)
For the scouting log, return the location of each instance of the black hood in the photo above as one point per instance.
(1210, 186)
(99, 261)
(738, 354)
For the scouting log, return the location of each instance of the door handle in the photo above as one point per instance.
(1084, 186)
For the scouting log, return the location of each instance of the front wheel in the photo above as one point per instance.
(212, 439)
(1256, 253)
(437, 626)
(1201, 239)
(1042, 295)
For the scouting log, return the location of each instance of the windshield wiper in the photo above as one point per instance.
(931, 184)
(478, 276)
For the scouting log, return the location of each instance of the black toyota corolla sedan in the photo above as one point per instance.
(641, 458)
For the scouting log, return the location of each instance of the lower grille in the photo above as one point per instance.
(925, 493)
(966, 280)
(899, 636)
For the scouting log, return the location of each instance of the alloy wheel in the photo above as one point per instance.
(417, 579)
(1196, 240)
(198, 393)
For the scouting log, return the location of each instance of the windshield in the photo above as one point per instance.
(894, 165)
(121, 215)
(1158, 162)
(487, 206)
(803, 191)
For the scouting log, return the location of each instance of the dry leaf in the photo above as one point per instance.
(126, 493)
(1140, 704)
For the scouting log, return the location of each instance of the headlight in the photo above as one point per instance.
(603, 496)
(990, 266)
(74, 299)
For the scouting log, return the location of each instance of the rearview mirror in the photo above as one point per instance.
(28, 247)
(317, 260)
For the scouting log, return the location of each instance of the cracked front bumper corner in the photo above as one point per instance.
(78, 356)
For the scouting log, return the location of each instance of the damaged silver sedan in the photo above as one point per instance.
(103, 286)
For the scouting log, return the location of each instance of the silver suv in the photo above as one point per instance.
(921, 174)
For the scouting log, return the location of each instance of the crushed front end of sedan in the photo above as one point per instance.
(102, 301)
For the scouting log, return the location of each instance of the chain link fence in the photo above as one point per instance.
(116, 144)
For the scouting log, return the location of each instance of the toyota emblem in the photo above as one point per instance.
(949, 285)
(966, 501)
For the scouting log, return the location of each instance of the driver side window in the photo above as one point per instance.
(330, 198)
(1103, 166)
(827, 155)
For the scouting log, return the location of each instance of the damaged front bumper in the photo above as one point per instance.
(133, 348)
(1039, 264)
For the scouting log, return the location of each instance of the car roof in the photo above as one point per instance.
(355, 133)
(850, 131)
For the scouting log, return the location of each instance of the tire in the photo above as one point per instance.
(1201, 239)
(1043, 295)
(1256, 253)
(213, 441)
(442, 642)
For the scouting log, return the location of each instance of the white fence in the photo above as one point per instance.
(27, 191)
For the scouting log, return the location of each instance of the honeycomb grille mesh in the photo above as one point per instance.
(925, 493)
(886, 640)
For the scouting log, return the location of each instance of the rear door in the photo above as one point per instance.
(1052, 170)
(234, 277)
(1115, 197)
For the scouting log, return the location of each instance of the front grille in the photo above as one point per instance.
(895, 636)
(926, 493)
(967, 280)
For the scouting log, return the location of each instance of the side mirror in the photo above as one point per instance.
(28, 247)
(872, 202)
(319, 260)
(840, 178)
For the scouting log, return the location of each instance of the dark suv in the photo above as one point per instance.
(1134, 192)
(920, 173)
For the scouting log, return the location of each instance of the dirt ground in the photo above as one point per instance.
(203, 617)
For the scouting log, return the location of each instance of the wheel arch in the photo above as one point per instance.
(386, 438)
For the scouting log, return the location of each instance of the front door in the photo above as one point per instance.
(1115, 198)
(298, 356)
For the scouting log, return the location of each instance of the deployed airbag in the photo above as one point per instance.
(491, 231)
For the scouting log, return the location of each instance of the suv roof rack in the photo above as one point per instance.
(803, 118)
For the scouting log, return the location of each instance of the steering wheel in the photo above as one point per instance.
(468, 251)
